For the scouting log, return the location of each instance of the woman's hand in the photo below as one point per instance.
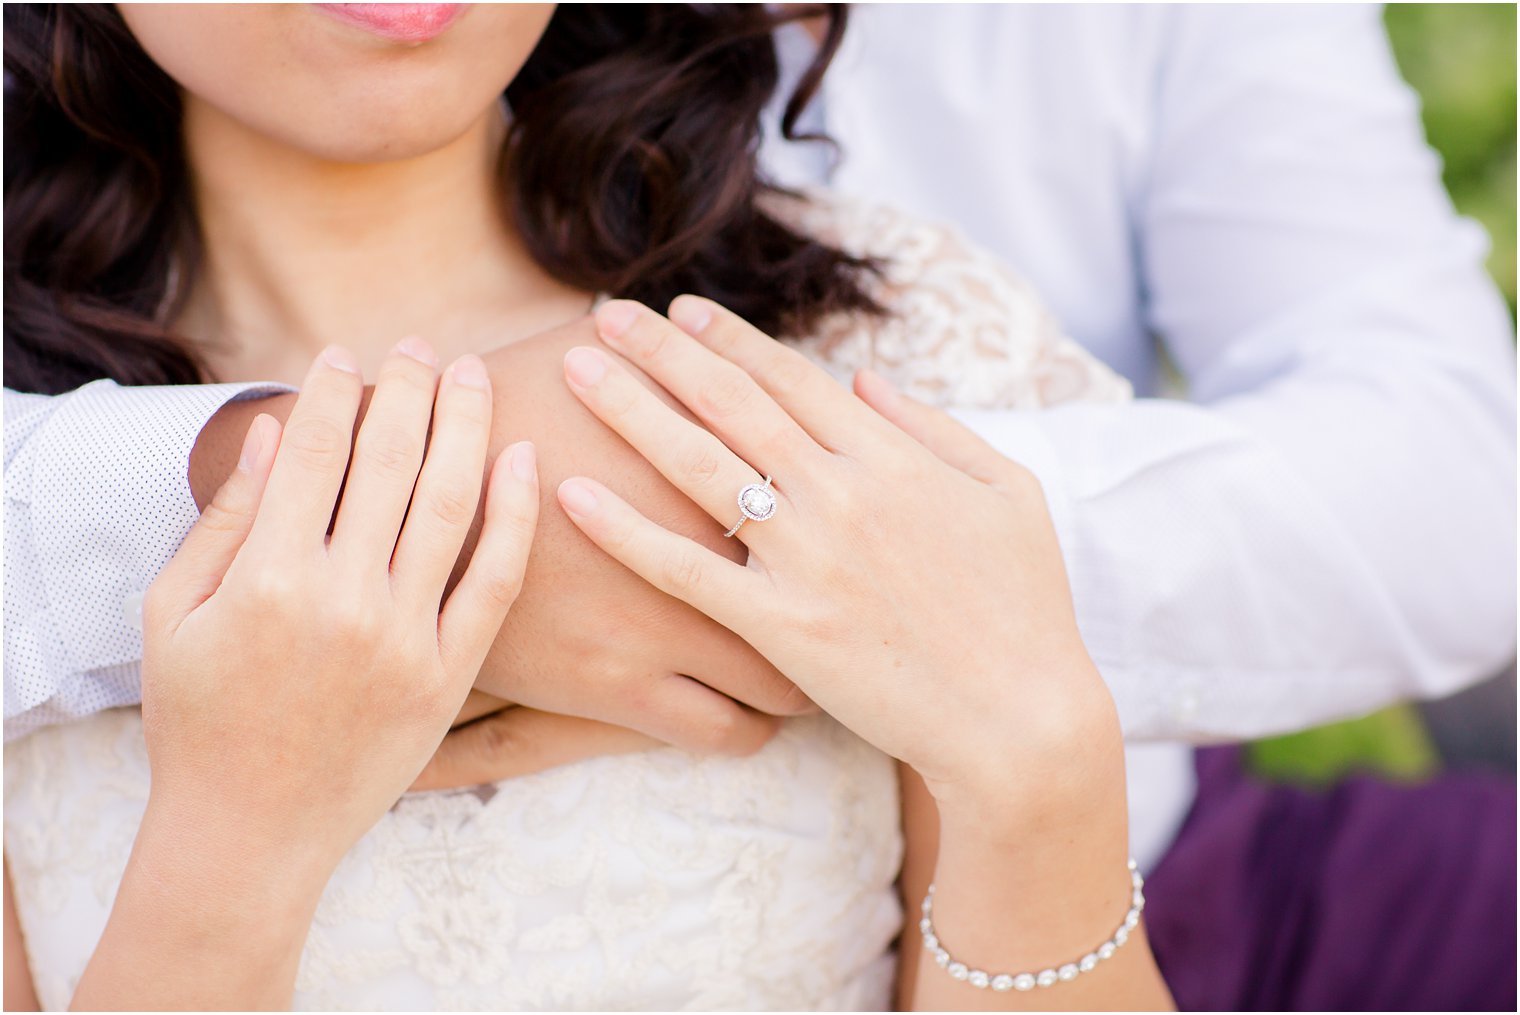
(319, 673)
(910, 582)
(913, 588)
(294, 685)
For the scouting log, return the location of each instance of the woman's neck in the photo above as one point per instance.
(298, 252)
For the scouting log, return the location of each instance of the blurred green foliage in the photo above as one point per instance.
(1392, 743)
(1460, 58)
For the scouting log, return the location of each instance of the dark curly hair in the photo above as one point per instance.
(629, 168)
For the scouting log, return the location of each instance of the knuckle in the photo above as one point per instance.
(899, 469)
(789, 371)
(315, 441)
(848, 501)
(452, 504)
(502, 585)
(351, 620)
(718, 732)
(700, 463)
(391, 448)
(618, 399)
(864, 500)
(223, 514)
(271, 587)
(647, 336)
(519, 527)
(683, 572)
(724, 395)
(721, 336)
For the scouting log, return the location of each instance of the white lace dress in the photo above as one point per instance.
(649, 881)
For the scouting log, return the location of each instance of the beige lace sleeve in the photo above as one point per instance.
(962, 328)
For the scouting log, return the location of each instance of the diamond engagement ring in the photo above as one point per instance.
(757, 502)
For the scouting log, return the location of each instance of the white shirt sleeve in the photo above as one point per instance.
(97, 499)
(1330, 524)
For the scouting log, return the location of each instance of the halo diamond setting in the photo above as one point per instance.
(757, 502)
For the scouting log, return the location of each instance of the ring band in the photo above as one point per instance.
(757, 502)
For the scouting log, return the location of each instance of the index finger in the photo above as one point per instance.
(825, 408)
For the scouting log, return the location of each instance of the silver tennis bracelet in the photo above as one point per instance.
(1045, 977)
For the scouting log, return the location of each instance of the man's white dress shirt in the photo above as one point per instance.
(97, 499)
(1325, 526)
(1329, 522)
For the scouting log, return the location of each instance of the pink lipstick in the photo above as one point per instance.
(407, 23)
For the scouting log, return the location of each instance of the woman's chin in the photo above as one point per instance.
(360, 83)
(388, 134)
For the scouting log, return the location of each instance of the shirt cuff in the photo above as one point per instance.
(109, 504)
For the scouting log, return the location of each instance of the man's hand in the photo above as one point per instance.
(518, 741)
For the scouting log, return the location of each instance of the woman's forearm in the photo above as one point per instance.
(204, 919)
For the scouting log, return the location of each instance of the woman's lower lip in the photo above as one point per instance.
(398, 22)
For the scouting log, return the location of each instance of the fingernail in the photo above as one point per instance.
(471, 372)
(584, 366)
(340, 358)
(577, 498)
(691, 314)
(418, 350)
(614, 317)
(521, 458)
(253, 443)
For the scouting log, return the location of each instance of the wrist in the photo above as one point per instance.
(1055, 758)
(231, 864)
(1034, 916)
(201, 921)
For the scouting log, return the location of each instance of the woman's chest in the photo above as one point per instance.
(647, 881)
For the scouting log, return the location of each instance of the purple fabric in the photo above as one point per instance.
(1368, 896)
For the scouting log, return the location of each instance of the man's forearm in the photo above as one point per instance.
(1224, 594)
(103, 469)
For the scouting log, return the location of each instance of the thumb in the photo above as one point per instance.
(946, 438)
(196, 570)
